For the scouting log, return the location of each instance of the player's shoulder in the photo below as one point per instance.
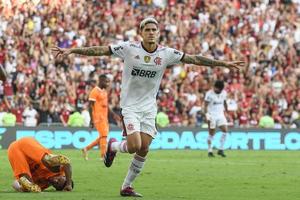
(224, 93)
(95, 90)
(134, 44)
(209, 92)
(162, 48)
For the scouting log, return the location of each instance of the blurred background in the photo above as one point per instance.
(41, 91)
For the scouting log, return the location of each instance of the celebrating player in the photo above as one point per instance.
(35, 168)
(215, 106)
(144, 66)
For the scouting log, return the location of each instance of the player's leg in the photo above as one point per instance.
(103, 129)
(131, 129)
(224, 130)
(148, 132)
(21, 170)
(89, 147)
(136, 167)
(211, 133)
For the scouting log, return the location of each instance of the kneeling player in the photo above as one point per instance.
(35, 168)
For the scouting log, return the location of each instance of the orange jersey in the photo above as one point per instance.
(100, 110)
(25, 156)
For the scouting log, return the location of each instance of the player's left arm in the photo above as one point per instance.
(225, 106)
(205, 61)
(116, 117)
(61, 160)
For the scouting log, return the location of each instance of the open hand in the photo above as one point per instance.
(239, 65)
(60, 53)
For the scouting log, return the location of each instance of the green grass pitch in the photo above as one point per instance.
(182, 174)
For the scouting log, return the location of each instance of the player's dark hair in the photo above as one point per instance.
(103, 76)
(61, 188)
(219, 84)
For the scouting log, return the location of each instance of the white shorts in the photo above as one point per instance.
(217, 120)
(139, 122)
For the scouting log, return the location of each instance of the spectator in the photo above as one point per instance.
(9, 119)
(265, 33)
(162, 119)
(266, 121)
(30, 116)
(2, 114)
(76, 120)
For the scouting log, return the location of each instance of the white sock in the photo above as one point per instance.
(120, 146)
(222, 141)
(134, 170)
(209, 142)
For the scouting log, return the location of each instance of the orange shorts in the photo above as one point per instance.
(102, 128)
(24, 155)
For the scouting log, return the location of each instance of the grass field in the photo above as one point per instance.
(171, 175)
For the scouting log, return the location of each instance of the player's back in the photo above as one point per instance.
(33, 152)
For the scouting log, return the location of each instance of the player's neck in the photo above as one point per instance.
(149, 47)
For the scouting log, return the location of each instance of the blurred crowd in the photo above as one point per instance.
(264, 33)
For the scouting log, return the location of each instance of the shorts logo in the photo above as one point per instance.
(147, 59)
(130, 127)
(157, 61)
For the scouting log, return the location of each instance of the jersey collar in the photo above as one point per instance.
(149, 51)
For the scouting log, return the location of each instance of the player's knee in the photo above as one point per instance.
(134, 148)
(144, 149)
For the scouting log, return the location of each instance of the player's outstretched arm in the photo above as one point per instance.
(201, 60)
(87, 51)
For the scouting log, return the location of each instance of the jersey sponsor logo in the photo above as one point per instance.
(143, 73)
(217, 103)
(147, 59)
(118, 48)
(177, 52)
(157, 61)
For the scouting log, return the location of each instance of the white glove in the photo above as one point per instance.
(208, 117)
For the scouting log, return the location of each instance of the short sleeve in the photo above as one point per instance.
(225, 95)
(119, 49)
(207, 97)
(93, 95)
(174, 56)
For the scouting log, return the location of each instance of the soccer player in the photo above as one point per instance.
(35, 168)
(144, 66)
(98, 109)
(214, 106)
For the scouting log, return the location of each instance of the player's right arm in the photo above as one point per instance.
(86, 51)
(52, 160)
(206, 102)
(91, 108)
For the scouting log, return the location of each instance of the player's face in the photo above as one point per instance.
(58, 182)
(150, 33)
(104, 83)
(217, 90)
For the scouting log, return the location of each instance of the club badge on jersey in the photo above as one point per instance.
(157, 61)
(147, 59)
